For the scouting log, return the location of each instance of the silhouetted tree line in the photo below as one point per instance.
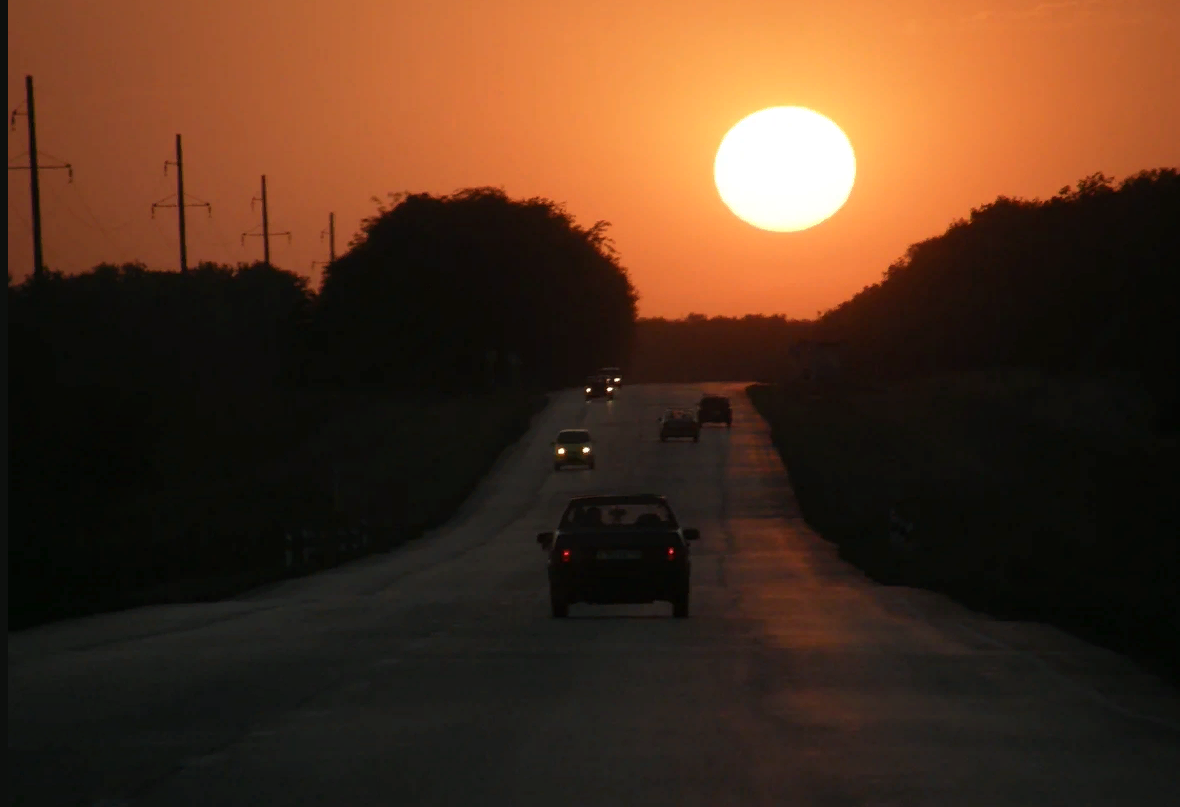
(436, 294)
(94, 359)
(1083, 281)
(439, 289)
(699, 348)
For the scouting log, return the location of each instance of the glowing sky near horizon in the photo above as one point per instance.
(615, 109)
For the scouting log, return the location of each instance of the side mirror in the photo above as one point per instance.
(691, 534)
(545, 539)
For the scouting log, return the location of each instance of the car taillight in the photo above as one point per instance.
(565, 556)
(671, 553)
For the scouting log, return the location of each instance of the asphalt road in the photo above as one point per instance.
(435, 675)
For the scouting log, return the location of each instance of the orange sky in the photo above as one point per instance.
(615, 108)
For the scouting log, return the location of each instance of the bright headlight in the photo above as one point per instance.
(561, 451)
(617, 380)
(585, 449)
(587, 389)
(610, 389)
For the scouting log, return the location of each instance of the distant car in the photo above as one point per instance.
(679, 423)
(573, 447)
(714, 409)
(599, 387)
(618, 549)
(612, 374)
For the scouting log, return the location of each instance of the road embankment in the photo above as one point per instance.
(245, 490)
(1019, 495)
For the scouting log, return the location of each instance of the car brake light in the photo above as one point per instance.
(565, 556)
(671, 553)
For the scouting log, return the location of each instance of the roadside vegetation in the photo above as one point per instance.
(699, 348)
(178, 437)
(1016, 507)
(1009, 391)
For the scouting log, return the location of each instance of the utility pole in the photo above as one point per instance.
(331, 233)
(265, 225)
(180, 203)
(331, 238)
(34, 170)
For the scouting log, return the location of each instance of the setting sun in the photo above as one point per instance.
(784, 169)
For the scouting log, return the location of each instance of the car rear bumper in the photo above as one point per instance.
(604, 588)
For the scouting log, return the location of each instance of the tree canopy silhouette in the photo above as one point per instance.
(436, 288)
(1083, 281)
(700, 348)
(96, 357)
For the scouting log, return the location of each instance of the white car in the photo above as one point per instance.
(573, 447)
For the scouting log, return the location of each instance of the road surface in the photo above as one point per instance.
(435, 675)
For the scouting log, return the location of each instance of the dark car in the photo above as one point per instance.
(679, 423)
(618, 549)
(573, 447)
(714, 409)
(599, 387)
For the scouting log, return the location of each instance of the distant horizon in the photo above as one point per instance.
(315, 277)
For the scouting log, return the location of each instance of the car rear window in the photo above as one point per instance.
(624, 516)
(573, 436)
(714, 401)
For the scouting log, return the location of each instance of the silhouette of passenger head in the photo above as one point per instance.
(592, 516)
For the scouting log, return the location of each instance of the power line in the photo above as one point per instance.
(116, 244)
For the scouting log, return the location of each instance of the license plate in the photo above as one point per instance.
(619, 554)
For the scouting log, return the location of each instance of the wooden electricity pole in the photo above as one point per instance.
(331, 238)
(265, 225)
(34, 169)
(180, 204)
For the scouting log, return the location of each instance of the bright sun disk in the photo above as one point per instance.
(784, 169)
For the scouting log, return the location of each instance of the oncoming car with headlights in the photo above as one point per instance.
(573, 447)
(599, 387)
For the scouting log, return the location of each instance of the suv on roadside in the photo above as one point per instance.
(714, 409)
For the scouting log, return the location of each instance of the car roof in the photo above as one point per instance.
(708, 397)
(620, 498)
(570, 432)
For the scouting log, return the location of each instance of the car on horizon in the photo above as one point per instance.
(679, 423)
(618, 549)
(714, 409)
(599, 387)
(573, 447)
